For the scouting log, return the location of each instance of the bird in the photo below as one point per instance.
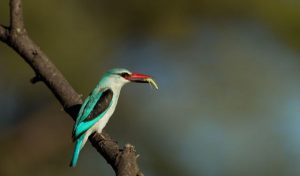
(99, 106)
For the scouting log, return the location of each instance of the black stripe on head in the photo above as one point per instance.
(124, 75)
(101, 105)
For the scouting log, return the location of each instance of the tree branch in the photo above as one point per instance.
(123, 161)
(3, 33)
(16, 14)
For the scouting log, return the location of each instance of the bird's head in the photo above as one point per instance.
(121, 76)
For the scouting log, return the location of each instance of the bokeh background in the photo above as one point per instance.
(229, 77)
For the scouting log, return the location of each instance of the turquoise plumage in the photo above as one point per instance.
(76, 152)
(87, 107)
(98, 107)
(81, 126)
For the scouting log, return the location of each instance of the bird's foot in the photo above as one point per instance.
(102, 136)
(104, 139)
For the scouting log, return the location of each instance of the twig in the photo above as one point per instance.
(123, 161)
(16, 14)
(3, 33)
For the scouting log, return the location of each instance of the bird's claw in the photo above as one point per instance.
(104, 139)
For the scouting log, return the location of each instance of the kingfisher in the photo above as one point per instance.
(99, 106)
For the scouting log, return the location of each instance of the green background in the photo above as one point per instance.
(228, 72)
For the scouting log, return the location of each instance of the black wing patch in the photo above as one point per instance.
(101, 105)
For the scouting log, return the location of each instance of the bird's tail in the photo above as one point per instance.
(77, 148)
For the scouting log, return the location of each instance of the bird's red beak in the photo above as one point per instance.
(141, 78)
(137, 77)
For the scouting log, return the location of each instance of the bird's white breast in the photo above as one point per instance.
(103, 121)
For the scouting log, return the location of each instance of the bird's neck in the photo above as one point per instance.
(103, 85)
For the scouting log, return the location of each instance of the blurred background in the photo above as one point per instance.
(228, 71)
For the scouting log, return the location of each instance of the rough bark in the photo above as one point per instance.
(122, 160)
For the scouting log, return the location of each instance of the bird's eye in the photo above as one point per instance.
(124, 75)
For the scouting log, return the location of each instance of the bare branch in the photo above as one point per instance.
(16, 15)
(123, 161)
(3, 33)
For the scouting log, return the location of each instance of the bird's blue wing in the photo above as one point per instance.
(92, 110)
(82, 109)
(87, 107)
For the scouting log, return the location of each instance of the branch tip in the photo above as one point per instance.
(16, 15)
(4, 33)
(139, 174)
(36, 79)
